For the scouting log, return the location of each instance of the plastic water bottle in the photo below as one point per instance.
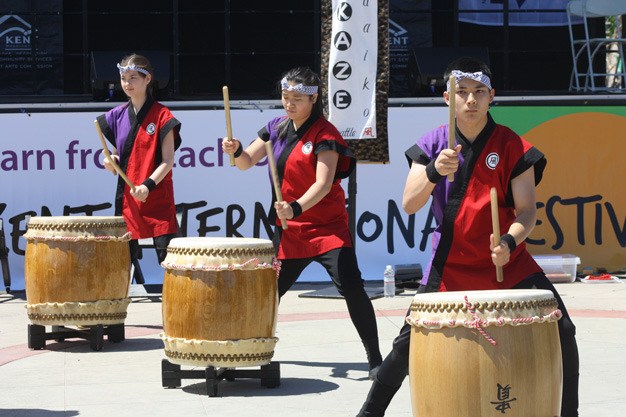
(389, 282)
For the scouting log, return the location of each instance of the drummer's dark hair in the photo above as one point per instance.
(305, 76)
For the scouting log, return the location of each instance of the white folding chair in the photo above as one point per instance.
(585, 49)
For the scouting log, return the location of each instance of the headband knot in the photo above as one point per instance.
(299, 88)
(132, 67)
(476, 76)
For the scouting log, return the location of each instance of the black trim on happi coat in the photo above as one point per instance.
(135, 124)
(470, 152)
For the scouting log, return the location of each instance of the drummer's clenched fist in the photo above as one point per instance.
(141, 193)
(283, 210)
(230, 146)
(500, 254)
(108, 166)
(447, 161)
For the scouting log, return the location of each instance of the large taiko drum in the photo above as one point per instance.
(485, 354)
(77, 270)
(220, 302)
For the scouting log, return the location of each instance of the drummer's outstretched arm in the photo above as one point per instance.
(523, 189)
(423, 178)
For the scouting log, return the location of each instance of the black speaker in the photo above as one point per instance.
(105, 77)
(427, 65)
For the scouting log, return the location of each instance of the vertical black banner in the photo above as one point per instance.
(31, 47)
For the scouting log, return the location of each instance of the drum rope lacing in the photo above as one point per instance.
(254, 262)
(479, 324)
(126, 237)
(483, 306)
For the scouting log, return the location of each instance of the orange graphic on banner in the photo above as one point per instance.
(582, 197)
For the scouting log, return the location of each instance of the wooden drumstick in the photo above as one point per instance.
(495, 220)
(452, 123)
(229, 127)
(107, 154)
(270, 158)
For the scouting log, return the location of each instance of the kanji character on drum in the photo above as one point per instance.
(485, 155)
(311, 159)
(145, 135)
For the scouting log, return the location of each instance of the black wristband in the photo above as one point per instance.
(432, 174)
(509, 240)
(149, 183)
(296, 208)
(239, 151)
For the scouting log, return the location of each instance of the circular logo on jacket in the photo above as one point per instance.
(492, 160)
(307, 148)
(151, 128)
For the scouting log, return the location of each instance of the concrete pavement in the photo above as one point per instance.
(323, 366)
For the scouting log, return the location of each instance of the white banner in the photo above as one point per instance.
(521, 12)
(50, 163)
(352, 68)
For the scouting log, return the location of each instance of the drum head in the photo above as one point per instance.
(495, 307)
(59, 227)
(482, 296)
(195, 253)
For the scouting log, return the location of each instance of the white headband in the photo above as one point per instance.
(300, 88)
(476, 76)
(132, 67)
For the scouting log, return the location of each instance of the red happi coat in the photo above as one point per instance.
(324, 226)
(138, 138)
(461, 258)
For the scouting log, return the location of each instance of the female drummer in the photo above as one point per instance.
(144, 135)
(311, 159)
(464, 254)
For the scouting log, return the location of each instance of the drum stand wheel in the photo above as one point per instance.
(171, 375)
(37, 335)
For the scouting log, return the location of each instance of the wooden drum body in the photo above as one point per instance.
(77, 270)
(220, 301)
(456, 370)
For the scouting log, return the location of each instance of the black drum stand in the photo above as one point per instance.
(171, 375)
(37, 335)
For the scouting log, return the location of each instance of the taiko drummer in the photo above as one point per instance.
(145, 135)
(483, 155)
(311, 159)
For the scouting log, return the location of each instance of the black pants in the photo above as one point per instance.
(396, 365)
(160, 246)
(341, 265)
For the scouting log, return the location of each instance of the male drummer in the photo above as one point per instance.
(485, 155)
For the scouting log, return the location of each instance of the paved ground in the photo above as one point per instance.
(322, 363)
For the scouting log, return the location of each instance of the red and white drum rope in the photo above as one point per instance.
(477, 323)
(480, 324)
